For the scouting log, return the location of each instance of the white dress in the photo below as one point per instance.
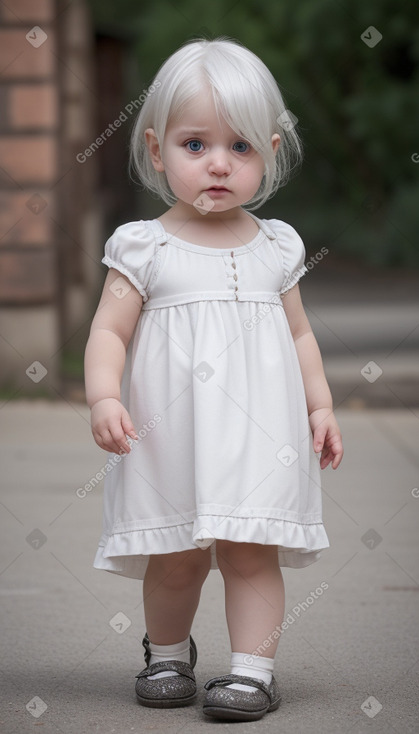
(213, 385)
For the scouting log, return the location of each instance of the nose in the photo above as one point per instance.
(219, 162)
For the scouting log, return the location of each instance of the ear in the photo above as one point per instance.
(154, 149)
(275, 142)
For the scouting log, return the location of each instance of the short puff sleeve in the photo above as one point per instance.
(132, 250)
(293, 253)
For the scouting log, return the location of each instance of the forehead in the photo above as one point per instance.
(199, 114)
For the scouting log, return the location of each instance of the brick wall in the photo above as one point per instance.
(50, 219)
(28, 151)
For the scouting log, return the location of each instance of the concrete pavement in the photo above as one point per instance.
(71, 635)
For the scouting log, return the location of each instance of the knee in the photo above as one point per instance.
(184, 570)
(245, 559)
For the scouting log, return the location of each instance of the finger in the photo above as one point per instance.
(332, 454)
(337, 459)
(128, 426)
(99, 438)
(336, 448)
(325, 458)
(109, 443)
(319, 438)
(119, 438)
(104, 441)
(112, 439)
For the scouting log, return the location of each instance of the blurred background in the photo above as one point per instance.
(73, 73)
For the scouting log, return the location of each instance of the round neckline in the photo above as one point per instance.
(207, 249)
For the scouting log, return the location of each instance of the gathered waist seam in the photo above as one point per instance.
(273, 298)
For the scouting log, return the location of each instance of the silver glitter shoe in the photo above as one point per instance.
(171, 691)
(236, 705)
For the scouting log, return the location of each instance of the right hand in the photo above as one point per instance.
(111, 424)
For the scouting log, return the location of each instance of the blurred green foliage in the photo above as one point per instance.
(358, 106)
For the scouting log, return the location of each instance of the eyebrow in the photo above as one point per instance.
(193, 131)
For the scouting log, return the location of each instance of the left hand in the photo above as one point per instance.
(326, 437)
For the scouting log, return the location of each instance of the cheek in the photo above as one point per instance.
(261, 167)
(254, 174)
(176, 164)
(178, 180)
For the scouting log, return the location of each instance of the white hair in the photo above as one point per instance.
(246, 95)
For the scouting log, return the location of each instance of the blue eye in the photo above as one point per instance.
(241, 146)
(194, 145)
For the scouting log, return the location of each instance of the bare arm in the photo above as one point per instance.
(110, 333)
(326, 433)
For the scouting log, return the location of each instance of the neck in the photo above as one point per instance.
(182, 212)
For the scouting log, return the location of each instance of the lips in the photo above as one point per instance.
(218, 188)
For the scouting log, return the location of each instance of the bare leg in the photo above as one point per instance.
(171, 592)
(254, 595)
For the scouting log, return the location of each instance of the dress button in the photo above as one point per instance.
(232, 253)
(235, 276)
(233, 265)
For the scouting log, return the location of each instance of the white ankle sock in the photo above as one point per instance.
(178, 651)
(261, 668)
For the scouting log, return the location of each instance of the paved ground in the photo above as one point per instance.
(348, 661)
